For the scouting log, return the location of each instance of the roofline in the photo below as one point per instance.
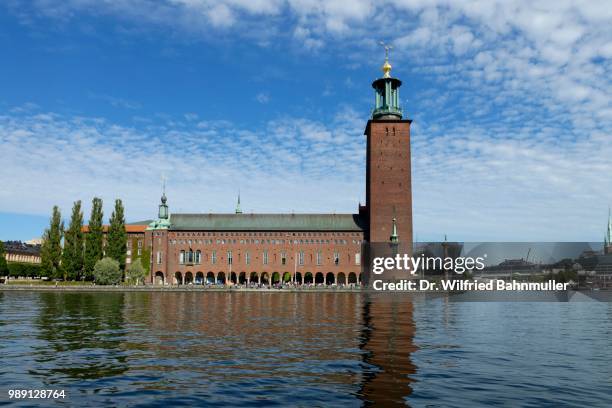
(248, 214)
(243, 216)
(269, 229)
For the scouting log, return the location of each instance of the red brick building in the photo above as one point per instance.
(300, 248)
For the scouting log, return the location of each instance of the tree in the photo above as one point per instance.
(116, 246)
(94, 239)
(136, 273)
(72, 258)
(51, 249)
(146, 260)
(4, 270)
(107, 272)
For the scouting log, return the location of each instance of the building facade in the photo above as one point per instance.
(22, 252)
(296, 248)
(136, 247)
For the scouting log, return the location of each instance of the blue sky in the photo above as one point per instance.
(511, 105)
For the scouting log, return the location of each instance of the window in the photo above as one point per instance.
(336, 258)
(319, 258)
(301, 258)
(182, 257)
(229, 257)
(139, 244)
(159, 257)
(265, 257)
(190, 256)
(198, 257)
(247, 258)
(283, 258)
(357, 258)
(213, 257)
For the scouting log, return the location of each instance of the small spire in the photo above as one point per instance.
(163, 207)
(163, 197)
(393, 236)
(238, 210)
(386, 68)
(608, 239)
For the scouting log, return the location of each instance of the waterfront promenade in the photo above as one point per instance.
(174, 288)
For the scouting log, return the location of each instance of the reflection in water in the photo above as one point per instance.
(74, 327)
(387, 339)
(307, 349)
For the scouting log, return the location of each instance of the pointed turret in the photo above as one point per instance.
(609, 232)
(608, 235)
(238, 209)
(163, 215)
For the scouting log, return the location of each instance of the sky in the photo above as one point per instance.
(510, 102)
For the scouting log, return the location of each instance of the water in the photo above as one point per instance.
(303, 349)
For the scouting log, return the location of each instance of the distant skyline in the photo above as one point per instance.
(511, 138)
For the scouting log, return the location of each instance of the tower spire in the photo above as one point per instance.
(608, 240)
(387, 92)
(163, 216)
(163, 207)
(386, 68)
(238, 209)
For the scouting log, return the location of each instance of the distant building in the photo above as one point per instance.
(17, 251)
(135, 241)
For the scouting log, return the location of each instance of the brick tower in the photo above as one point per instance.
(388, 172)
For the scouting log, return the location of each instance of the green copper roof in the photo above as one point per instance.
(145, 222)
(267, 222)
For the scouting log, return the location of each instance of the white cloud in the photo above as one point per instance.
(470, 180)
(262, 97)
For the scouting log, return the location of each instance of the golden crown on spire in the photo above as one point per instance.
(386, 68)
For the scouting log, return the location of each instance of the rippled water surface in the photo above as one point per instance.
(303, 349)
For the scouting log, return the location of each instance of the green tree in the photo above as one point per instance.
(4, 270)
(51, 249)
(116, 246)
(94, 240)
(72, 257)
(145, 259)
(107, 272)
(136, 273)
